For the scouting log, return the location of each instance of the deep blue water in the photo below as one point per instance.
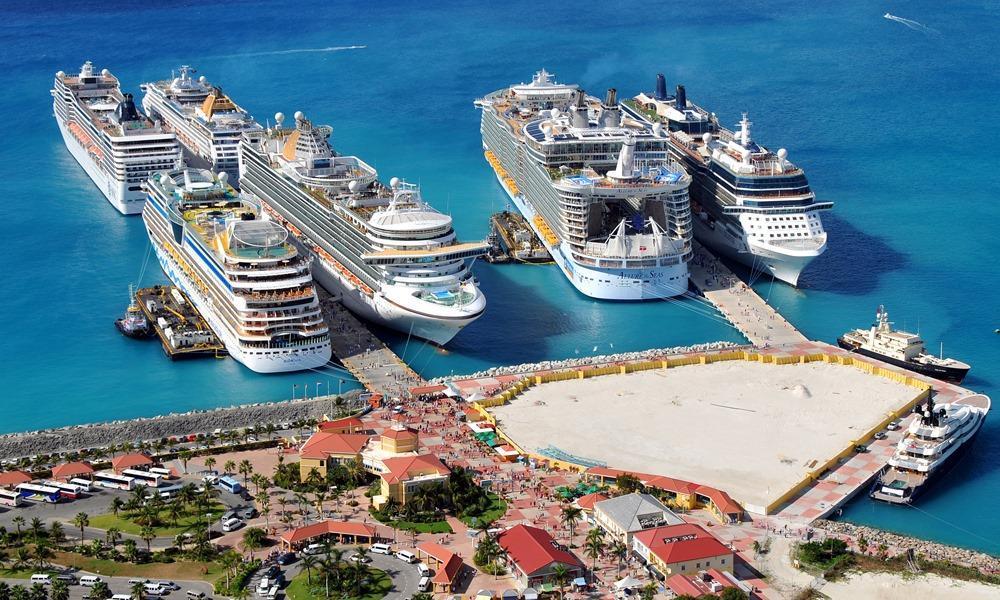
(896, 125)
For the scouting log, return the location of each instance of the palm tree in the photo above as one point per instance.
(38, 592)
(4, 589)
(112, 536)
(229, 467)
(332, 567)
(264, 501)
(131, 550)
(116, 505)
(138, 590)
(209, 463)
(60, 590)
(319, 498)
(56, 533)
(648, 591)
(185, 456)
(81, 520)
(21, 558)
(229, 560)
(253, 539)
(570, 517)
(308, 562)
(42, 554)
(594, 548)
(561, 577)
(148, 534)
(18, 522)
(620, 551)
(37, 528)
(100, 591)
(245, 469)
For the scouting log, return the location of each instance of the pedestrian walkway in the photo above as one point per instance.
(737, 301)
(371, 362)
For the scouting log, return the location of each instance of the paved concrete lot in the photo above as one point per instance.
(121, 585)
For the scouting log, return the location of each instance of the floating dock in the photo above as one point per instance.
(513, 240)
(182, 330)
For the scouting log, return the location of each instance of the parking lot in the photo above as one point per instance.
(121, 585)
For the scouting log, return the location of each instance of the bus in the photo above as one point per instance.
(67, 490)
(10, 498)
(230, 485)
(112, 481)
(143, 477)
(85, 485)
(165, 473)
(38, 493)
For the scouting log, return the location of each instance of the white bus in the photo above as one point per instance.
(84, 484)
(67, 490)
(143, 477)
(10, 498)
(112, 481)
(38, 493)
(165, 473)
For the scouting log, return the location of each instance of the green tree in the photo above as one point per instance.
(561, 577)
(733, 593)
(18, 522)
(253, 540)
(131, 550)
(593, 548)
(620, 551)
(308, 563)
(138, 590)
(648, 591)
(229, 467)
(148, 534)
(628, 483)
(60, 590)
(185, 456)
(570, 517)
(100, 591)
(56, 533)
(38, 591)
(37, 529)
(42, 554)
(210, 463)
(117, 505)
(112, 536)
(246, 469)
(82, 521)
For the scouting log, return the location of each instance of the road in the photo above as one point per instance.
(405, 576)
(121, 585)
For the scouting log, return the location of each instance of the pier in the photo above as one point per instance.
(182, 330)
(365, 356)
(739, 303)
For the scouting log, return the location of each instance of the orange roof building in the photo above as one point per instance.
(130, 461)
(324, 449)
(404, 475)
(446, 564)
(399, 439)
(345, 425)
(682, 549)
(343, 532)
(70, 470)
(13, 478)
(683, 493)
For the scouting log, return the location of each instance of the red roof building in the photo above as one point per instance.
(685, 549)
(532, 554)
(684, 493)
(68, 471)
(586, 503)
(403, 468)
(324, 445)
(13, 478)
(345, 532)
(710, 582)
(446, 564)
(130, 461)
(345, 425)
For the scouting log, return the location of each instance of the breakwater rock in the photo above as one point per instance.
(97, 435)
(570, 363)
(931, 550)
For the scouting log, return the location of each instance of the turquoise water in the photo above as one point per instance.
(895, 125)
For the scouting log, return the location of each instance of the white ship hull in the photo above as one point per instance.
(608, 284)
(784, 265)
(127, 203)
(283, 362)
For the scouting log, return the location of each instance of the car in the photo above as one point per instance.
(380, 549)
(154, 589)
(285, 559)
(406, 556)
(232, 525)
(271, 572)
(881, 435)
(195, 595)
(359, 559)
(313, 549)
(69, 578)
(232, 513)
(894, 425)
(136, 580)
(168, 585)
(248, 513)
(861, 449)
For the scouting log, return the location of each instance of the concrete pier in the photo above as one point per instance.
(371, 362)
(737, 301)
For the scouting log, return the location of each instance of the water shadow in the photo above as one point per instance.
(853, 263)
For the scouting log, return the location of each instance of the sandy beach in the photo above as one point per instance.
(886, 586)
(748, 428)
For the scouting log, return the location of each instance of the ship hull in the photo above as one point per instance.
(125, 202)
(276, 362)
(949, 374)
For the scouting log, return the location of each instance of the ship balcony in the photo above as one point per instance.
(279, 283)
(275, 297)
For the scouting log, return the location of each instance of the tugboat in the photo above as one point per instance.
(134, 324)
(902, 349)
(931, 444)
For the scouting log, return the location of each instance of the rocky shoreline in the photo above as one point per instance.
(931, 550)
(570, 363)
(75, 437)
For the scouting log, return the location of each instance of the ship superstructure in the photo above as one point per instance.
(751, 204)
(116, 145)
(902, 349)
(239, 270)
(207, 121)
(597, 186)
(932, 442)
(392, 257)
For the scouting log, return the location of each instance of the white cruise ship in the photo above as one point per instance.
(752, 205)
(598, 188)
(115, 144)
(930, 446)
(239, 269)
(392, 258)
(207, 122)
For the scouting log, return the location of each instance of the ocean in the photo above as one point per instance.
(881, 114)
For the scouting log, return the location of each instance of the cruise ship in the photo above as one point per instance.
(390, 256)
(239, 270)
(116, 145)
(207, 122)
(597, 186)
(932, 443)
(751, 204)
(902, 349)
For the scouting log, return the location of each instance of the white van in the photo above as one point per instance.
(312, 549)
(263, 586)
(406, 556)
(424, 570)
(232, 524)
(195, 595)
(41, 578)
(90, 580)
(121, 597)
(154, 589)
(424, 584)
(271, 595)
(84, 484)
(380, 549)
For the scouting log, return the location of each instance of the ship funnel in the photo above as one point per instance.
(126, 110)
(581, 99)
(626, 162)
(661, 87)
(612, 97)
(187, 180)
(681, 97)
(610, 113)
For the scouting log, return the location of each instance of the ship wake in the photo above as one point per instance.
(295, 51)
(914, 25)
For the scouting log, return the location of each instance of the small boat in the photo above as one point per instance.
(902, 349)
(134, 323)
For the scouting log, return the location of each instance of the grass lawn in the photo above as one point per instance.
(182, 569)
(185, 523)
(377, 587)
(432, 527)
(496, 510)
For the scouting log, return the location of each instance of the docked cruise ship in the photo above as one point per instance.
(751, 204)
(393, 258)
(598, 188)
(240, 270)
(116, 145)
(207, 121)
(931, 444)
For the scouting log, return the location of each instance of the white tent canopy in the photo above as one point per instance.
(627, 583)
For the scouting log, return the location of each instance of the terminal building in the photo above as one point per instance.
(681, 549)
(624, 516)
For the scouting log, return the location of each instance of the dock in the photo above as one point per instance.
(739, 303)
(182, 330)
(365, 356)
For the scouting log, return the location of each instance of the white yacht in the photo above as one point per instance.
(751, 204)
(116, 145)
(597, 187)
(931, 444)
(207, 121)
(392, 258)
(239, 270)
